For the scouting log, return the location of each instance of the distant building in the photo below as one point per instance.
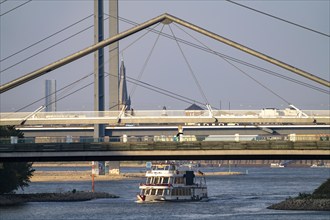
(50, 95)
(124, 99)
(194, 110)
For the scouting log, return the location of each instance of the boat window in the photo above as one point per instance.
(157, 180)
(149, 180)
(166, 180)
(178, 180)
(166, 192)
(147, 192)
(174, 192)
(160, 192)
(153, 192)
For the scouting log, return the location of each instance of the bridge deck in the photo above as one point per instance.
(223, 150)
(168, 117)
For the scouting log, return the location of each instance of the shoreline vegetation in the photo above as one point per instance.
(319, 200)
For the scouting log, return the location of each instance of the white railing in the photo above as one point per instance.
(167, 113)
(169, 138)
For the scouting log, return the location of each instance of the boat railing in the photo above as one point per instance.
(156, 184)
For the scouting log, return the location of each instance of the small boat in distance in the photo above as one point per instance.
(277, 165)
(166, 183)
(320, 164)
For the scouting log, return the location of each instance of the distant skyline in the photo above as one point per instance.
(166, 65)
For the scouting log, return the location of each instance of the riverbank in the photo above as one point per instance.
(75, 176)
(319, 200)
(306, 204)
(15, 199)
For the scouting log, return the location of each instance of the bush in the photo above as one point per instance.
(13, 175)
(303, 195)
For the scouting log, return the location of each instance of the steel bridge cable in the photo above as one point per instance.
(130, 80)
(48, 48)
(67, 27)
(150, 88)
(206, 49)
(169, 36)
(190, 68)
(79, 80)
(65, 87)
(281, 19)
(146, 61)
(3, 1)
(182, 98)
(235, 60)
(45, 49)
(70, 86)
(14, 8)
(271, 91)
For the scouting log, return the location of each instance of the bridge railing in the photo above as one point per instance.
(167, 113)
(169, 138)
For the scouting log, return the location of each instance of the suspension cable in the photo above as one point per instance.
(67, 27)
(79, 80)
(146, 62)
(278, 18)
(246, 74)
(13, 9)
(232, 58)
(175, 95)
(190, 68)
(45, 49)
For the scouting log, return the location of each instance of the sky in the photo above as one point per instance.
(224, 85)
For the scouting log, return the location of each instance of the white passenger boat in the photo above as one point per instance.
(166, 183)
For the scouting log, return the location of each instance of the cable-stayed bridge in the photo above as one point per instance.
(209, 117)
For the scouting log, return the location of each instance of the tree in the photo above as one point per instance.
(7, 131)
(13, 175)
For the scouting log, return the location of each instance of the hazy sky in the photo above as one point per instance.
(220, 82)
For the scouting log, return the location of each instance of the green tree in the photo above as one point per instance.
(7, 131)
(13, 175)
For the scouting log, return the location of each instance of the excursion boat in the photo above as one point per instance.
(166, 183)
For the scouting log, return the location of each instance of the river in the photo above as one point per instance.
(231, 197)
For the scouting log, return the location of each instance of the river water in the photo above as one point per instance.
(231, 197)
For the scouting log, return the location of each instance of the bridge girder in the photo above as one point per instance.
(165, 18)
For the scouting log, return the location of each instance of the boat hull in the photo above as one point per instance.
(152, 198)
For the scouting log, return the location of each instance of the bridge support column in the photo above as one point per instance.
(99, 129)
(98, 66)
(114, 57)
